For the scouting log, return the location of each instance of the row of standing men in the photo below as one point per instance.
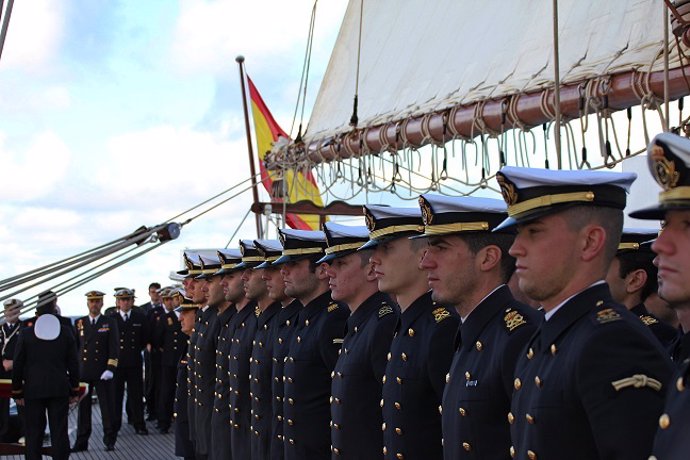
(402, 340)
(109, 348)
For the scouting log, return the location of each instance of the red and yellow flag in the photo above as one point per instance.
(300, 185)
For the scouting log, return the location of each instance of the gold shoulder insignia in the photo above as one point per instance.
(385, 310)
(257, 311)
(332, 307)
(513, 319)
(607, 315)
(440, 314)
(648, 320)
(170, 322)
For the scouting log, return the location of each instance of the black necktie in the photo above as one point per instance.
(93, 321)
(126, 317)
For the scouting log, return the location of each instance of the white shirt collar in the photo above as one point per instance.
(92, 318)
(548, 315)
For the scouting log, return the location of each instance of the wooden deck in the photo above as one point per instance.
(129, 445)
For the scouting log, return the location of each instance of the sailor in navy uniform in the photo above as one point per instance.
(260, 363)
(9, 333)
(356, 387)
(170, 342)
(632, 277)
(183, 444)
(134, 336)
(191, 270)
(205, 358)
(232, 292)
(422, 348)
(591, 382)
(241, 350)
(45, 378)
(153, 379)
(98, 359)
(668, 157)
(313, 348)
(285, 327)
(468, 267)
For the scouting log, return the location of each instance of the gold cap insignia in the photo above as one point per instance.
(508, 191)
(664, 170)
(188, 263)
(369, 219)
(427, 214)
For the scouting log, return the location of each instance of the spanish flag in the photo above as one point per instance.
(300, 184)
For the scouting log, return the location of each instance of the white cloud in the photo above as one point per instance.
(209, 35)
(36, 171)
(34, 34)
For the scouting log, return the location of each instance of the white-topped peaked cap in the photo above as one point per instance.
(300, 244)
(209, 264)
(192, 264)
(443, 215)
(668, 159)
(229, 259)
(47, 327)
(637, 239)
(385, 223)
(270, 250)
(531, 193)
(343, 240)
(251, 257)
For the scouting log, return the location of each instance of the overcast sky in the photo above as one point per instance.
(117, 114)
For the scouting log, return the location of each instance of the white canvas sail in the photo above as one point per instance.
(420, 57)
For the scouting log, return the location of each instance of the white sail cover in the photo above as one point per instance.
(421, 56)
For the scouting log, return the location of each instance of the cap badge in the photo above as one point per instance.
(664, 169)
(427, 215)
(508, 191)
(188, 263)
(369, 219)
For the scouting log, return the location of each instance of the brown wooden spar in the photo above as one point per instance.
(616, 92)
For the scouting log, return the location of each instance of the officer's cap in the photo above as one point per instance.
(270, 250)
(386, 223)
(166, 293)
(229, 260)
(210, 264)
(94, 295)
(533, 193)
(445, 215)
(12, 309)
(637, 240)
(668, 158)
(300, 244)
(192, 264)
(187, 304)
(251, 257)
(124, 293)
(343, 240)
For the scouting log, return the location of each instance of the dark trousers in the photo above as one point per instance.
(133, 377)
(166, 396)
(105, 389)
(35, 410)
(152, 361)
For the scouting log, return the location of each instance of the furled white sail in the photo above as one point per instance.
(421, 56)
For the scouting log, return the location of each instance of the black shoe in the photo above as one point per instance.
(79, 449)
(110, 447)
(142, 431)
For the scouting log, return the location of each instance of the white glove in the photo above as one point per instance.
(106, 375)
